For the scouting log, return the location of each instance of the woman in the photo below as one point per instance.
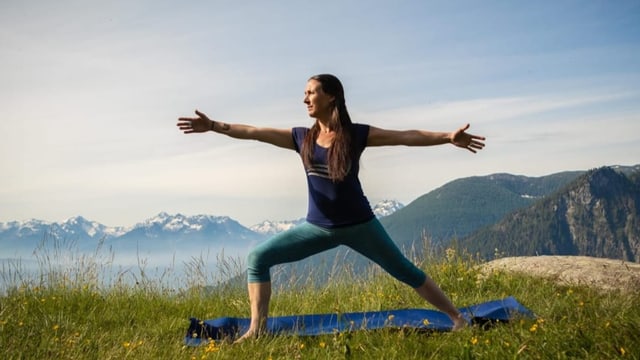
(338, 213)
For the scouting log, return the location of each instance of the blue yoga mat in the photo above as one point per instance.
(502, 310)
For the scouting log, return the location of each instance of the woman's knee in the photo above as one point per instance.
(257, 267)
(260, 256)
(254, 257)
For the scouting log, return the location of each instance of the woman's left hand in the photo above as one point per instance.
(461, 138)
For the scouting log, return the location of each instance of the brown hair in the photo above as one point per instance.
(339, 156)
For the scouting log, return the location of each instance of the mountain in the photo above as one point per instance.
(598, 214)
(182, 237)
(22, 237)
(269, 227)
(167, 238)
(386, 208)
(465, 205)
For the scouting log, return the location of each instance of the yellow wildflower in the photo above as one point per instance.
(322, 344)
(570, 291)
(56, 327)
(533, 328)
(211, 347)
(126, 344)
(474, 340)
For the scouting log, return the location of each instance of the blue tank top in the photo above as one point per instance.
(335, 204)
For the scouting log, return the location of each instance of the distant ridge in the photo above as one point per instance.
(161, 233)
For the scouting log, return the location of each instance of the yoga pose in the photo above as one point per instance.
(338, 213)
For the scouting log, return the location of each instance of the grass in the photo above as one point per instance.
(71, 314)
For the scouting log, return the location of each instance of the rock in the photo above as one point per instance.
(599, 273)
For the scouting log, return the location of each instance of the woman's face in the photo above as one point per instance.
(319, 104)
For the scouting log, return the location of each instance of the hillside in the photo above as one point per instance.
(596, 215)
(462, 206)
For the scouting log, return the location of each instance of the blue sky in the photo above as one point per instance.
(90, 93)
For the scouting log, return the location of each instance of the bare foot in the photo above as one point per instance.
(249, 335)
(459, 323)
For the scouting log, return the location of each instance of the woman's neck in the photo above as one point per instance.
(324, 125)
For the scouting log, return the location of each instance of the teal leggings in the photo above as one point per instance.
(369, 239)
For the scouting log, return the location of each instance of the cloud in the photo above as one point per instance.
(487, 110)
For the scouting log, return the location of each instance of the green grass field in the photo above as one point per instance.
(68, 314)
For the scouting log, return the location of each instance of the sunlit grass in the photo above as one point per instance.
(68, 316)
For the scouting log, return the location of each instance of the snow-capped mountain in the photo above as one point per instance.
(180, 223)
(80, 226)
(269, 227)
(29, 234)
(207, 229)
(77, 226)
(386, 208)
(161, 232)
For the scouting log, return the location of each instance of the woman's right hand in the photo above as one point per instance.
(198, 124)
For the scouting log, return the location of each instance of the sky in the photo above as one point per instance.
(90, 93)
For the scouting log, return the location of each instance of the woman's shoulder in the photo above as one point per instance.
(361, 129)
(299, 131)
(360, 133)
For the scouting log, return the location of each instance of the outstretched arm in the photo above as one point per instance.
(202, 123)
(460, 138)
